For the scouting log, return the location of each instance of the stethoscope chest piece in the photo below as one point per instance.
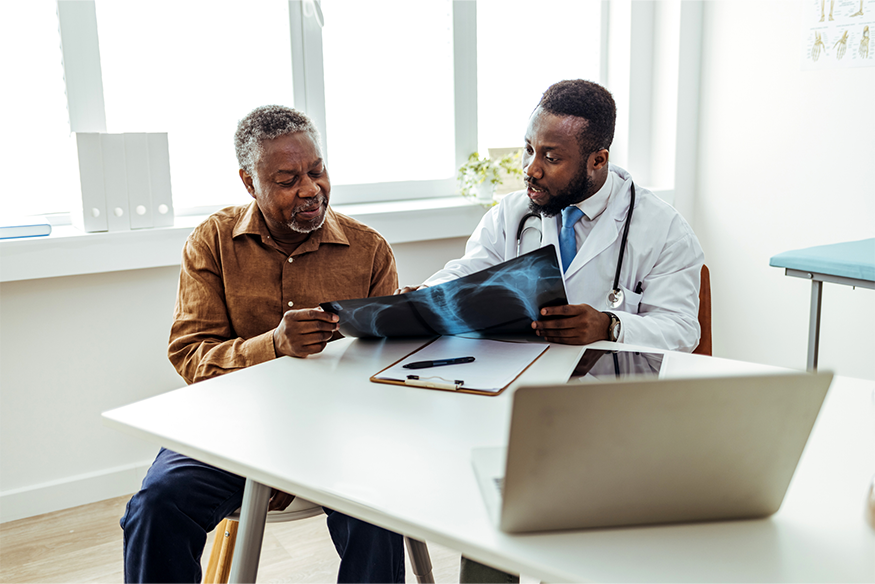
(615, 298)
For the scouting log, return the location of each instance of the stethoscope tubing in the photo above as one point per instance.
(623, 243)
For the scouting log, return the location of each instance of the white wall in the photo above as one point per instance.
(786, 161)
(75, 346)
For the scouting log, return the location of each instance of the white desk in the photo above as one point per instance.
(399, 457)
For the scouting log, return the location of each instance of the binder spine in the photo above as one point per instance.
(138, 180)
(90, 215)
(159, 171)
(115, 181)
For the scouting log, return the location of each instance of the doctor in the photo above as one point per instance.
(580, 204)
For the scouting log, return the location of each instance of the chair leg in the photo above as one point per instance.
(219, 566)
(420, 560)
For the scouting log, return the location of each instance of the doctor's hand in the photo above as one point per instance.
(572, 324)
(407, 289)
(304, 332)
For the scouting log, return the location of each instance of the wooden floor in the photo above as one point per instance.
(84, 544)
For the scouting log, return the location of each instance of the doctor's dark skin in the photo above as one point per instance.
(292, 191)
(551, 162)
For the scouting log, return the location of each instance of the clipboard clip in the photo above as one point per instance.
(420, 381)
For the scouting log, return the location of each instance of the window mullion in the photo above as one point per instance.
(77, 22)
(465, 77)
(604, 43)
(308, 77)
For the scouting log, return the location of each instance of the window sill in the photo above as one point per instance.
(70, 252)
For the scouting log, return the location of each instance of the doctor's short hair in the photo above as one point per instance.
(266, 123)
(587, 100)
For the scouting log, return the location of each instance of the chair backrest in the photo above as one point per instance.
(704, 347)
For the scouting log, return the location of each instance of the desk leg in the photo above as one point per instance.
(253, 514)
(419, 560)
(814, 324)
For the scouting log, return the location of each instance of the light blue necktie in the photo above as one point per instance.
(567, 239)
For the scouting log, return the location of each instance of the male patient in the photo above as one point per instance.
(251, 281)
(581, 204)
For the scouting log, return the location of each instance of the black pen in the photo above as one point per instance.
(438, 363)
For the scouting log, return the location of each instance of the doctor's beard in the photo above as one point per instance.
(576, 191)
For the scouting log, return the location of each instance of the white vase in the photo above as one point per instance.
(485, 192)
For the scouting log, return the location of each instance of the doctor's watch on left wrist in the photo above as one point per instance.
(613, 327)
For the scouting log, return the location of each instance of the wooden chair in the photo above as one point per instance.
(704, 347)
(219, 566)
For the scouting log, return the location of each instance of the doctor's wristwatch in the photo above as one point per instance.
(614, 327)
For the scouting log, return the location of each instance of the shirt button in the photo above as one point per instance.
(291, 260)
(291, 303)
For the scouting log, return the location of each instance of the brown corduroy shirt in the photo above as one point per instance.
(235, 284)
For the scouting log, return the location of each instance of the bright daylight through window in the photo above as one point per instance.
(37, 151)
(389, 90)
(523, 48)
(194, 68)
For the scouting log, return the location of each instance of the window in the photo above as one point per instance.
(522, 49)
(38, 152)
(388, 67)
(193, 69)
(406, 89)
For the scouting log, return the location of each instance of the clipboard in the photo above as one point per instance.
(496, 365)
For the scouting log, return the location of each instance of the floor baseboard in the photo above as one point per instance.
(71, 492)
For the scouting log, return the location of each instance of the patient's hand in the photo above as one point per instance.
(407, 289)
(304, 332)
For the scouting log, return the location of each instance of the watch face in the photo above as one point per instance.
(615, 330)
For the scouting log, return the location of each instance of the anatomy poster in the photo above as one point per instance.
(836, 34)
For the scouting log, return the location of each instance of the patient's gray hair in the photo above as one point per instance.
(266, 123)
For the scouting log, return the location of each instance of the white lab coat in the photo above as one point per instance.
(662, 253)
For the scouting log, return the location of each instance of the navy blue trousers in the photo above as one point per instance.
(166, 524)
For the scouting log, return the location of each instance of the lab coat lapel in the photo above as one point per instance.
(605, 232)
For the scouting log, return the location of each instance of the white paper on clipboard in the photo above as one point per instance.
(496, 363)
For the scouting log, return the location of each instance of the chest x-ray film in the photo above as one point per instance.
(604, 365)
(502, 299)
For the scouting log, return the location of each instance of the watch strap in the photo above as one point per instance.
(613, 327)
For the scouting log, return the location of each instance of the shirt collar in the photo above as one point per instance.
(596, 204)
(252, 222)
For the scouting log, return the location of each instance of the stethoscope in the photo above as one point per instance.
(615, 296)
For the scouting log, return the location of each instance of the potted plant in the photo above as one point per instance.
(479, 176)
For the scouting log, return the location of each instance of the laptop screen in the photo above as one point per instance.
(603, 365)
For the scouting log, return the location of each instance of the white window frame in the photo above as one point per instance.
(627, 68)
(306, 21)
(637, 52)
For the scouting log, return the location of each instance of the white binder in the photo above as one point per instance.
(138, 179)
(115, 181)
(90, 216)
(159, 170)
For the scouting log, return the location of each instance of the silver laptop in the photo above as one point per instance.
(639, 451)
